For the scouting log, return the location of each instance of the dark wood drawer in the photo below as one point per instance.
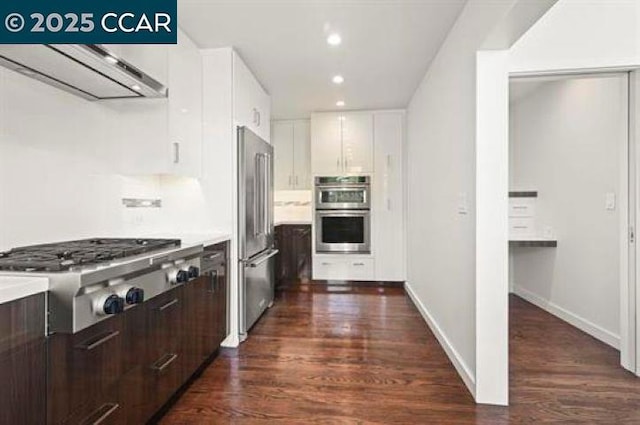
(165, 353)
(83, 365)
(105, 408)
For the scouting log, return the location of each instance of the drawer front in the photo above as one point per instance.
(165, 361)
(361, 269)
(105, 409)
(344, 269)
(521, 226)
(330, 269)
(521, 207)
(83, 365)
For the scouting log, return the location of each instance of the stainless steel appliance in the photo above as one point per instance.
(90, 71)
(93, 279)
(256, 230)
(343, 214)
(341, 193)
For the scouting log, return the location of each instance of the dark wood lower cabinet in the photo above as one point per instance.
(23, 361)
(126, 368)
(294, 260)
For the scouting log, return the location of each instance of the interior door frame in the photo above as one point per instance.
(628, 201)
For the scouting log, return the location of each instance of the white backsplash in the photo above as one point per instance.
(59, 172)
(293, 206)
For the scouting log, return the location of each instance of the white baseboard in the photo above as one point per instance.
(584, 325)
(463, 370)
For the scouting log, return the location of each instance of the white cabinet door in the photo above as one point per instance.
(282, 139)
(357, 142)
(388, 197)
(326, 144)
(251, 104)
(263, 107)
(302, 155)
(185, 108)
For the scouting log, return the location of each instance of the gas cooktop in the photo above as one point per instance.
(64, 256)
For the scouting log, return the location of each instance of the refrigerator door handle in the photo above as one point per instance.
(258, 194)
(258, 261)
(267, 194)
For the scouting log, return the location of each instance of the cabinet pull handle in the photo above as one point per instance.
(213, 256)
(214, 281)
(358, 264)
(169, 304)
(176, 152)
(170, 358)
(326, 264)
(259, 118)
(520, 207)
(520, 227)
(101, 339)
(102, 413)
(296, 181)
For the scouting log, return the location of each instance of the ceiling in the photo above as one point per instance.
(387, 46)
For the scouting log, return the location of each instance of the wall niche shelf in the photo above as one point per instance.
(533, 243)
(523, 194)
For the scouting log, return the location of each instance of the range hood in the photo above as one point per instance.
(86, 70)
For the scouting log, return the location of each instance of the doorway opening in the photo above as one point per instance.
(571, 221)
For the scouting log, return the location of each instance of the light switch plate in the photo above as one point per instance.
(610, 201)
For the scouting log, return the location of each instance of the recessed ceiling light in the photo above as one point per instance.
(111, 59)
(340, 103)
(136, 87)
(338, 79)
(334, 39)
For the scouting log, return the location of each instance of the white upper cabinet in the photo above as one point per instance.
(282, 140)
(388, 197)
(342, 143)
(357, 143)
(291, 141)
(164, 136)
(251, 104)
(302, 155)
(326, 144)
(185, 107)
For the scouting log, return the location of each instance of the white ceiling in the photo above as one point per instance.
(387, 46)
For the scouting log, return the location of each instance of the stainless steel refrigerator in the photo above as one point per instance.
(256, 230)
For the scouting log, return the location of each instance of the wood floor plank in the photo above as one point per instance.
(331, 354)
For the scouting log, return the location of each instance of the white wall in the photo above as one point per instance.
(566, 138)
(581, 34)
(441, 176)
(444, 124)
(58, 162)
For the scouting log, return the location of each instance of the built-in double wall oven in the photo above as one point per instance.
(343, 214)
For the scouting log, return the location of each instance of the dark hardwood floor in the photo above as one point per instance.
(363, 355)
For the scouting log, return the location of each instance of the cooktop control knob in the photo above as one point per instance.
(182, 276)
(193, 272)
(172, 276)
(109, 304)
(134, 296)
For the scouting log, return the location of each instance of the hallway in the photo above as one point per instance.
(341, 354)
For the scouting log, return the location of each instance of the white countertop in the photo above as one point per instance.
(291, 222)
(195, 239)
(15, 287)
